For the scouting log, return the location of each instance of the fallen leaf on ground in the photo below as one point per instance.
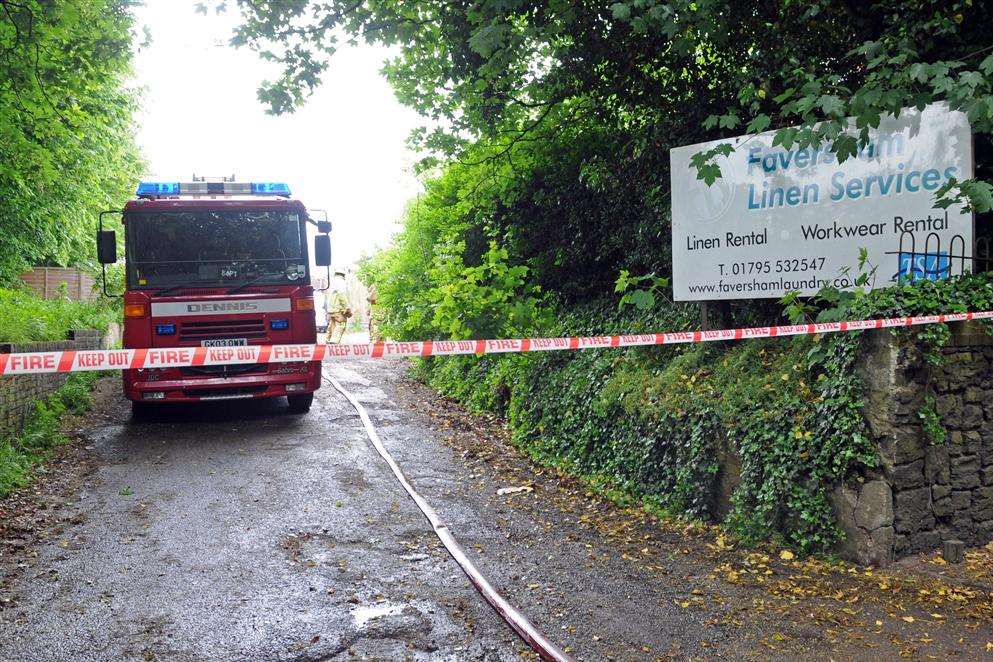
(514, 490)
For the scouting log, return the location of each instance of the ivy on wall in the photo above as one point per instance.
(653, 422)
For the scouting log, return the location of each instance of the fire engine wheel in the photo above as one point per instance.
(141, 411)
(300, 404)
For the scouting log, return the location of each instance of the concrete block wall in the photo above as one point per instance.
(19, 394)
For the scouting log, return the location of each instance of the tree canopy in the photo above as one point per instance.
(684, 70)
(67, 147)
(548, 122)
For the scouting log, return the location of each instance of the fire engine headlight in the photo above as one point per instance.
(279, 325)
(165, 329)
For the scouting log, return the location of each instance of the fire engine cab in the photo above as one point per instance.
(217, 264)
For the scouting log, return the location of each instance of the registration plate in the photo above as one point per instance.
(224, 342)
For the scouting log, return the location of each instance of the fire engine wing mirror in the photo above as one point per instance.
(322, 250)
(324, 227)
(106, 250)
(106, 246)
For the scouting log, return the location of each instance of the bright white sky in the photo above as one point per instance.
(344, 151)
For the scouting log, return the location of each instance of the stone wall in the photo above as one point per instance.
(923, 492)
(19, 394)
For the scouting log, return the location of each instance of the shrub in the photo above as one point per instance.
(27, 317)
(652, 422)
(42, 432)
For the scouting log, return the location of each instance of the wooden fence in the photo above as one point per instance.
(46, 282)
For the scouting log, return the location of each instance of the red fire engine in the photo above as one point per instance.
(217, 264)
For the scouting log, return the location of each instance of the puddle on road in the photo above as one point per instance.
(341, 373)
(371, 395)
(363, 615)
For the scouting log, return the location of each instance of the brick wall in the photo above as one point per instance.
(46, 282)
(19, 394)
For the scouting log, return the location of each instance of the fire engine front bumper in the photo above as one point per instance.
(178, 385)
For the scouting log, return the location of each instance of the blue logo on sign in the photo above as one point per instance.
(923, 266)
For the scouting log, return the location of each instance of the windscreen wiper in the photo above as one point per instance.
(172, 288)
(169, 289)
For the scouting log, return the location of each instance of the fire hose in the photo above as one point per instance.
(517, 621)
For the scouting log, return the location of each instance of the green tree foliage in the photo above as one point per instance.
(679, 70)
(449, 274)
(549, 124)
(599, 91)
(67, 147)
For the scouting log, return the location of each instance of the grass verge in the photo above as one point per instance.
(20, 454)
(28, 317)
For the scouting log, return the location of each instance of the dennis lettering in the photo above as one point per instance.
(223, 307)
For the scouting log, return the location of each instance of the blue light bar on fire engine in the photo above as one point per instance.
(170, 189)
(154, 189)
(270, 188)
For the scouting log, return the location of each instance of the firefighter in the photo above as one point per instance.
(339, 313)
(373, 325)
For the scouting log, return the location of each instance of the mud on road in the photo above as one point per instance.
(243, 532)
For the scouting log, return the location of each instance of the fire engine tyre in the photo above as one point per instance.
(141, 411)
(300, 404)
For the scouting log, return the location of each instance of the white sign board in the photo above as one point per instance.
(782, 220)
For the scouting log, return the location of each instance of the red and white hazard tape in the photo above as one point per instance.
(181, 357)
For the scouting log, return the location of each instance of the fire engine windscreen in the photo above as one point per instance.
(215, 248)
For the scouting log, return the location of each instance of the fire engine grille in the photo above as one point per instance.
(222, 370)
(204, 292)
(242, 328)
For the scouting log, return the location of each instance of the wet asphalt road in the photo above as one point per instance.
(242, 532)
